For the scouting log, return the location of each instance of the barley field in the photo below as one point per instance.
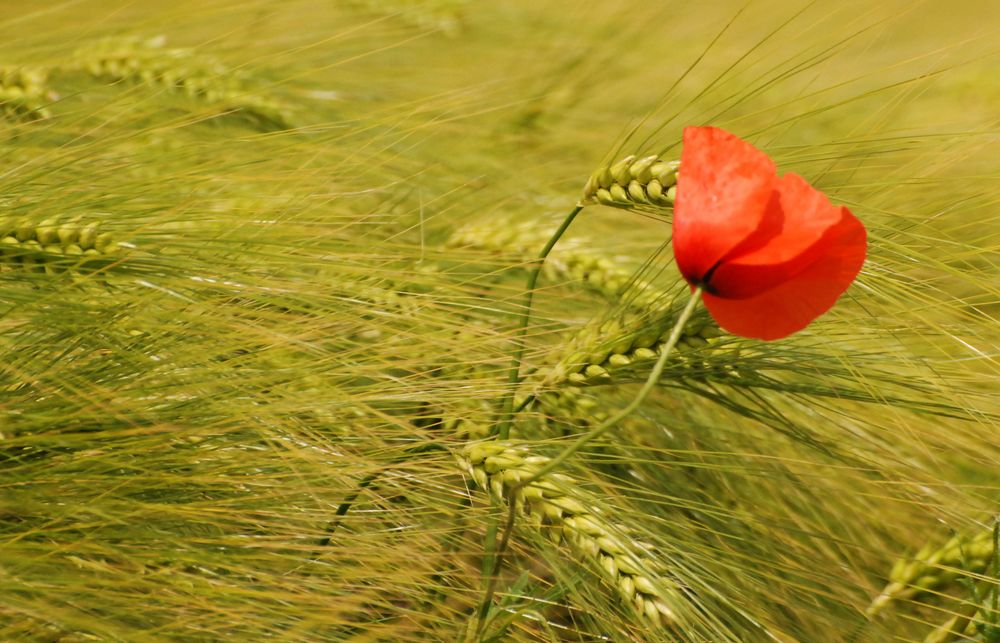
(273, 365)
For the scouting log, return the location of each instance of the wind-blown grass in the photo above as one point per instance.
(290, 313)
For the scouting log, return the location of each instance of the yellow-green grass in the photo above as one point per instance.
(284, 317)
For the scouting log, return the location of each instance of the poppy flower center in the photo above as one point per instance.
(705, 281)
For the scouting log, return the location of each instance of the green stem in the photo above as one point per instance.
(489, 563)
(491, 569)
(996, 570)
(497, 558)
(366, 482)
(528, 401)
(345, 506)
(502, 429)
(651, 381)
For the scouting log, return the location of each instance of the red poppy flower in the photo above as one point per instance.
(772, 253)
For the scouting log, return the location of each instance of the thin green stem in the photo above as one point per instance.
(489, 564)
(996, 571)
(366, 482)
(345, 506)
(651, 381)
(502, 429)
(493, 563)
(528, 401)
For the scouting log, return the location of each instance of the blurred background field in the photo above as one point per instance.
(256, 254)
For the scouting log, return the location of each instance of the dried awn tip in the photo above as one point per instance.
(568, 515)
(933, 568)
(633, 182)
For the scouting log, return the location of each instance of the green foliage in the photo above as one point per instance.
(239, 412)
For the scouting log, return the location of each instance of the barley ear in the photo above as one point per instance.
(934, 568)
(25, 94)
(603, 350)
(955, 628)
(571, 517)
(633, 182)
(52, 245)
(590, 270)
(145, 61)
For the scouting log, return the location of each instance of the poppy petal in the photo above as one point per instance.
(805, 215)
(723, 190)
(791, 306)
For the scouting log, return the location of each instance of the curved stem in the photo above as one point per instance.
(366, 482)
(502, 429)
(644, 392)
(525, 403)
(345, 506)
(651, 381)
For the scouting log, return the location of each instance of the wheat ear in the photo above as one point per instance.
(633, 182)
(933, 568)
(568, 515)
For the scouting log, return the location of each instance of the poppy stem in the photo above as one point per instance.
(647, 388)
(502, 429)
(496, 555)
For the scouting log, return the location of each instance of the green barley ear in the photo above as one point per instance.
(606, 348)
(978, 615)
(933, 568)
(568, 515)
(500, 237)
(956, 628)
(633, 182)
(25, 94)
(54, 245)
(380, 294)
(146, 61)
(593, 271)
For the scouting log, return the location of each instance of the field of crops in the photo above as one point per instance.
(264, 268)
